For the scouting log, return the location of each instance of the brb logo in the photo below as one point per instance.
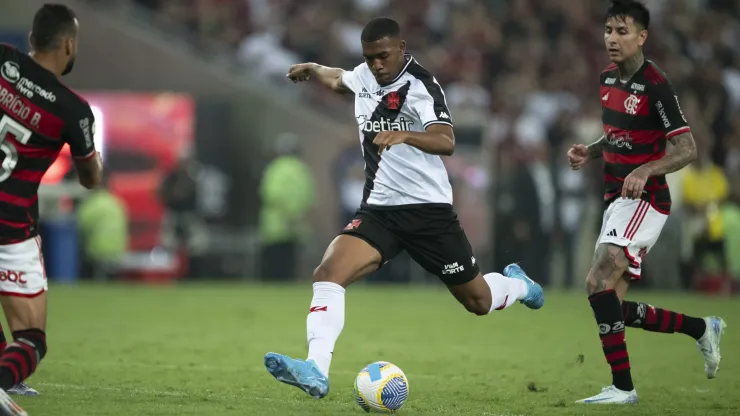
(11, 72)
(12, 276)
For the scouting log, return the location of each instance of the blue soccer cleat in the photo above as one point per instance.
(22, 389)
(302, 374)
(535, 295)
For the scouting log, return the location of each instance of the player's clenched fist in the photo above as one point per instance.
(386, 139)
(578, 156)
(634, 184)
(301, 72)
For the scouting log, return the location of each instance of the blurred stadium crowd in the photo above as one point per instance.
(520, 77)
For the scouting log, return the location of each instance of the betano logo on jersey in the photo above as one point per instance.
(11, 71)
(383, 124)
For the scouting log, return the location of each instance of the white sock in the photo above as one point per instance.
(504, 291)
(324, 323)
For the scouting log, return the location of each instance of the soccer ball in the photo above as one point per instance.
(381, 387)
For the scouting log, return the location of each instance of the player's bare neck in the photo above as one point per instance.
(45, 61)
(629, 67)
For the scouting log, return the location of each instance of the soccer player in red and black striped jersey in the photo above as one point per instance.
(38, 116)
(640, 113)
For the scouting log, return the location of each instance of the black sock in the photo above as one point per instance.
(650, 318)
(608, 313)
(20, 359)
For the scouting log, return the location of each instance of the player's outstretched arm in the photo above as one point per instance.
(596, 149)
(683, 153)
(329, 77)
(579, 154)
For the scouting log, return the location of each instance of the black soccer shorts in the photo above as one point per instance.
(431, 234)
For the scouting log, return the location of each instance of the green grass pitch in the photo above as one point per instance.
(198, 349)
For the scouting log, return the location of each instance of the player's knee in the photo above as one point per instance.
(327, 273)
(608, 266)
(321, 273)
(35, 338)
(594, 284)
(477, 305)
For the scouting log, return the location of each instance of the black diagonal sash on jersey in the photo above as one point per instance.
(389, 108)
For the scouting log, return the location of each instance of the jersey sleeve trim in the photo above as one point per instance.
(435, 109)
(343, 81)
(429, 123)
(676, 132)
(87, 156)
(431, 86)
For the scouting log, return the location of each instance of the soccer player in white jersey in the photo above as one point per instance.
(404, 127)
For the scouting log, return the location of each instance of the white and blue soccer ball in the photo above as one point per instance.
(381, 387)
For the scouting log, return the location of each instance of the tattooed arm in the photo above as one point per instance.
(596, 149)
(683, 153)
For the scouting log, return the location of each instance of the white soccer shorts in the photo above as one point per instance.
(22, 270)
(634, 225)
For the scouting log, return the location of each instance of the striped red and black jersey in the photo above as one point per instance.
(639, 116)
(38, 115)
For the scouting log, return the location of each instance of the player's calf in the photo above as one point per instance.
(494, 291)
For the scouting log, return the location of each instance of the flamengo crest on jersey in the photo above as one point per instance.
(404, 175)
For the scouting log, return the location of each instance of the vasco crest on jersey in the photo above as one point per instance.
(395, 100)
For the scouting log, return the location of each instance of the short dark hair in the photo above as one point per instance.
(621, 9)
(50, 24)
(379, 28)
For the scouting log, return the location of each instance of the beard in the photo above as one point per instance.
(70, 65)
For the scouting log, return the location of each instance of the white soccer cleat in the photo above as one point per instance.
(22, 389)
(612, 395)
(708, 344)
(8, 407)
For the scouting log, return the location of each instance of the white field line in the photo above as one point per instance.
(214, 368)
